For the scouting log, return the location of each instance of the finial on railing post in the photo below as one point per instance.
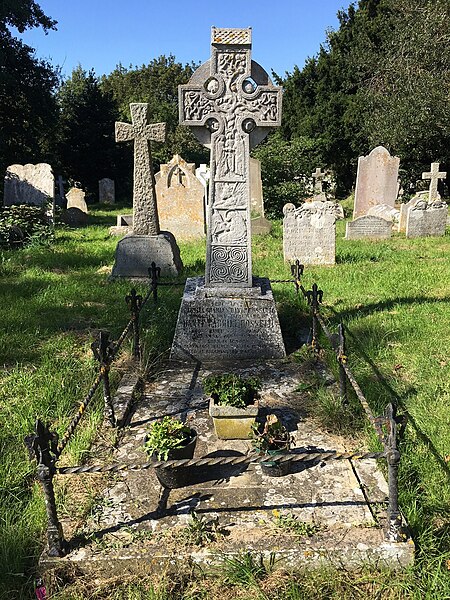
(342, 359)
(297, 272)
(314, 298)
(42, 446)
(103, 349)
(134, 301)
(154, 273)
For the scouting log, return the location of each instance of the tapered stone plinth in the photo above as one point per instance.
(227, 324)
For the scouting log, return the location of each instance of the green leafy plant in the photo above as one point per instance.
(293, 525)
(247, 569)
(200, 531)
(230, 389)
(166, 435)
(24, 225)
(273, 437)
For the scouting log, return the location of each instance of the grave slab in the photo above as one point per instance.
(426, 219)
(135, 254)
(368, 227)
(344, 501)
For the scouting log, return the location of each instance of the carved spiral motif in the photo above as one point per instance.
(228, 265)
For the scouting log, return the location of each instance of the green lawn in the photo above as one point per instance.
(393, 295)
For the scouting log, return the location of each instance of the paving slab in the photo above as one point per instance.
(322, 512)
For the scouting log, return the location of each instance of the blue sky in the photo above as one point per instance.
(99, 34)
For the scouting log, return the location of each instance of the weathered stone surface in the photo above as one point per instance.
(318, 177)
(74, 217)
(309, 233)
(230, 105)
(135, 254)
(404, 208)
(227, 324)
(106, 191)
(385, 211)
(376, 181)
(259, 224)
(126, 535)
(75, 199)
(145, 213)
(371, 227)
(123, 226)
(434, 175)
(180, 197)
(426, 219)
(30, 184)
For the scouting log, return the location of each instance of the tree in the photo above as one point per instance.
(86, 146)
(27, 105)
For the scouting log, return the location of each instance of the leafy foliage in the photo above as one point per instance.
(166, 435)
(274, 435)
(232, 390)
(21, 225)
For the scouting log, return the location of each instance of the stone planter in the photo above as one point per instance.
(179, 476)
(232, 423)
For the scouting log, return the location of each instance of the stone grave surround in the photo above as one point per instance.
(180, 199)
(376, 181)
(368, 227)
(230, 105)
(426, 219)
(106, 191)
(147, 243)
(30, 184)
(309, 233)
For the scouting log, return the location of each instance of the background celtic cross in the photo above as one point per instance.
(145, 212)
(231, 105)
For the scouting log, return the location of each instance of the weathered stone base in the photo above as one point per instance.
(135, 254)
(260, 226)
(227, 324)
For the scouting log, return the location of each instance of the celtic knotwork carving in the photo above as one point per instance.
(229, 226)
(228, 264)
(196, 106)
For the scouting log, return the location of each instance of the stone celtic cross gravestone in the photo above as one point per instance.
(146, 243)
(230, 104)
(434, 175)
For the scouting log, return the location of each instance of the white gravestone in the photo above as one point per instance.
(30, 184)
(146, 244)
(76, 199)
(434, 175)
(376, 181)
(106, 191)
(426, 219)
(180, 199)
(230, 105)
(385, 212)
(368, 227)
(309, 233)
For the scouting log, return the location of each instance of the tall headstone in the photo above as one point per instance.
(434, 175)
(30, 184)
(230, 105)
(426, 219)
(180, 197)
(309, 233)
(146, 244)
(368, 227)
(376, 181)
(259, 223)
(106, 191)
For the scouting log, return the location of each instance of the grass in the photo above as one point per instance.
(394, 297)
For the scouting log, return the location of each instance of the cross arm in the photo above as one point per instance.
(156, 132)
(124, 132)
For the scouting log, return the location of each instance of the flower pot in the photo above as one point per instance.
(232, 423)
(274, 469)
(179, 476)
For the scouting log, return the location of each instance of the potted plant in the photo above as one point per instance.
(233, 404)
(170, 439)
(274, 439)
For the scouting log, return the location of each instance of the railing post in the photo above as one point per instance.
(297, 272)
(394, 532)
(103, 350)
(154, 273)
(342, 358)
(314, 298)
(134, 302)
(42, 446)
